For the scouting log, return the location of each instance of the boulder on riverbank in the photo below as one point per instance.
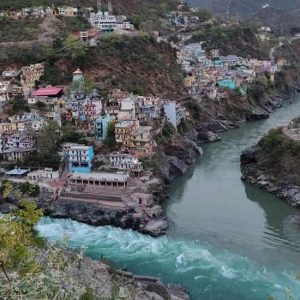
(273, 165)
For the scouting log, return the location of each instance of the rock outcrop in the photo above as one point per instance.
(102, 278)
(256, 170)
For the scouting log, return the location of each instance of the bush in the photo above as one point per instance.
(32, 190)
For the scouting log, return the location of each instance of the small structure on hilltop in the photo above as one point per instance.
(107, 22)
(78, 75)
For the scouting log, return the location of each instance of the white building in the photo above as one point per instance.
(125, 161)
(99, 179)
(40, 175)
(127, 110)
(173, 112)
(103, 21)
(4, 87)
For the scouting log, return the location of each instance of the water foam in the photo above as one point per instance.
(198, 266)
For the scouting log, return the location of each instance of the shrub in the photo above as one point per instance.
(32, 190)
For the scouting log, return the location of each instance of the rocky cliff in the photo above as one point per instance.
(273, 165)
(103, 279)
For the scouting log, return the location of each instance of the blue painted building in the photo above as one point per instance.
(227, 83)
(79, 158)
(101, 126)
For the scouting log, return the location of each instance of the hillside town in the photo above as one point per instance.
(131, 121)
(104, 139)
(208, 73)
(112, 135)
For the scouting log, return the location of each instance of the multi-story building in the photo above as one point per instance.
(147, 107)
(29, 76)
(101, 126)
(173, 112)
(92, 108)
(123, 131)
(7, 127)
(126, 162)
(16, 146)
(48, 95)
(127, 110)
(104, 21)
(141, 141)
(79, 158)
(4, 91)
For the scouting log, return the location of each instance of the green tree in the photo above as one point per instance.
(17, 234)
(76, 49)
(32, 190)
(17, 105)
(85, 85)
(204, 15)
(49, 138)
(110, 140)
(135, 21)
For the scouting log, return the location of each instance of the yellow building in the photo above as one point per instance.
(8, 127)
(189, 81)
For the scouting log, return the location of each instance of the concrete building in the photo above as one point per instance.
(4, 91)
(16, 146)
(29, 76)
(41, 175)
(125, 161)
(92, 108)
(173, 112)
(101, 126)
(127, 110)
(48, 95)
(100, 179)
(123, 131)
(79, 158)
(141, 142)
(67, 11)
(104, 21)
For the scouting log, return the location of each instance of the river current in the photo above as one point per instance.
(227, 240)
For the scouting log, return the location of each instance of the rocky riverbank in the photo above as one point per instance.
(103, 279)
(272, 165)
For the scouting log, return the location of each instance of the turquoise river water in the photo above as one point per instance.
(227, 240)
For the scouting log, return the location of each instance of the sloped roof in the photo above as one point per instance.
(48, 91)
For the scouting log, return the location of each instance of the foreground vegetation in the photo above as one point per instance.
(32, 269)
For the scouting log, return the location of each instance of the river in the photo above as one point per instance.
(227, 241)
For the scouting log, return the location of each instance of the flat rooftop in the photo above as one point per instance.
(17, 172)
(101, 176)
